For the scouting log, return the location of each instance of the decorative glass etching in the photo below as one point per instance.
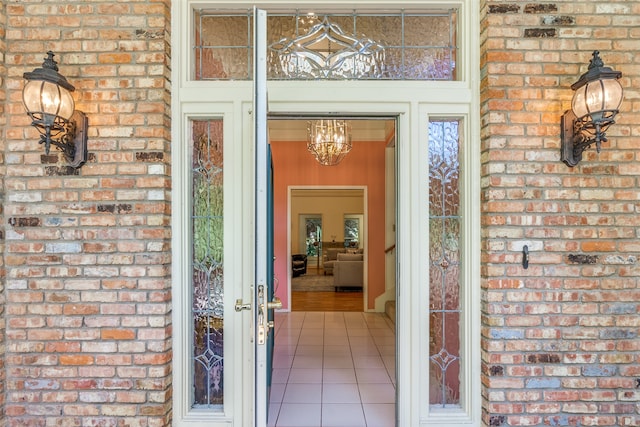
(208, 277)
(325, 51)
(395, 45)
(444, 264)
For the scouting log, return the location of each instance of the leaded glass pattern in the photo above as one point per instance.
(208, 278)
(307, 46)
(223, 48)
(444, 264)
(325, 51)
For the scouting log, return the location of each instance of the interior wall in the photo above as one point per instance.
(363, 166)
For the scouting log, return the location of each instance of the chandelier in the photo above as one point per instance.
(329, 140)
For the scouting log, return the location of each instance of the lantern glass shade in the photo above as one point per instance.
(597, 99)
(48, 100)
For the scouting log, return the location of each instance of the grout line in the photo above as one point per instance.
(356, 324)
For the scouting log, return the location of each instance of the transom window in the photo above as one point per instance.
(336, 46)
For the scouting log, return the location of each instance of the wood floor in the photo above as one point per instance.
(326, 301)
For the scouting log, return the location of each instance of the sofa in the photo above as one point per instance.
(329, 257)
(348, 271)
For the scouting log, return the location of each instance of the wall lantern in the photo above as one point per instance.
(595, 103)
(48, 101)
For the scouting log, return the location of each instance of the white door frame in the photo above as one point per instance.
(412, 102)
(412, 274)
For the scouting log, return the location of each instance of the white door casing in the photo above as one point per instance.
(413, 103)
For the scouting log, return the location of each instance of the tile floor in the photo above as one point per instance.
(333, 369)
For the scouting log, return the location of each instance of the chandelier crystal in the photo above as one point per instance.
(329, 140)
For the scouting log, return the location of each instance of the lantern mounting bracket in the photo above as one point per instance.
(574, 142)
(73, 142)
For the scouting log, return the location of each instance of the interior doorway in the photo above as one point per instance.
(334, 236)
(335, 364)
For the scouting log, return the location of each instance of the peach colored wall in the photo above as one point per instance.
(363, 166)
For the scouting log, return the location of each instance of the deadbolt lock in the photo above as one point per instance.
(276, 304)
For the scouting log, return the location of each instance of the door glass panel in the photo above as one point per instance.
(397, 45)
(444, 264)
(208, 278)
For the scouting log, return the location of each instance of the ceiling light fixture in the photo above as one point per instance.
(329, 140)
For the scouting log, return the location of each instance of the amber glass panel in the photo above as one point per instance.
(208, 278)
(444, 264)
(224, 64)
(222, 47)
(417, 46)
(383, 29)
(427, 30)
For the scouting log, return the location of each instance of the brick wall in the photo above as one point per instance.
(88, 250)
(560, 339)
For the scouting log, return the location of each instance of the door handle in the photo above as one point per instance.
(240, 306)
(264, 324)
(276, 304)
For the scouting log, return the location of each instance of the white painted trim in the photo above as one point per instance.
(407, 388)
(469, 413)
(182, 256)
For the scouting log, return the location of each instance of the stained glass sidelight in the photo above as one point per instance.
(208, 279)
(398, 45)
(444, 264)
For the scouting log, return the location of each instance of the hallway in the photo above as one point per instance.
(333, 369)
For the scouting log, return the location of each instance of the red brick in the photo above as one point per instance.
(68, 359)
(118, 334)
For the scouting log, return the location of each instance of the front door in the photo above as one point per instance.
(264, 302)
